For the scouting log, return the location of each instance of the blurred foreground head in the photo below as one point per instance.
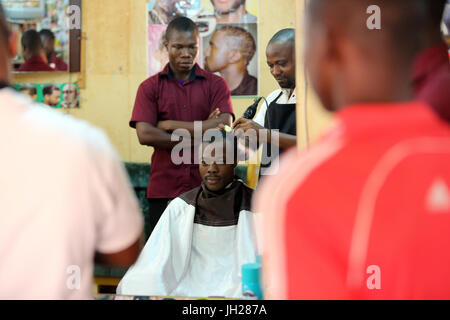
(348, 62)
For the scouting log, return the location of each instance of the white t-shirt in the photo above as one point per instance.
(63, 196)
(284, 99)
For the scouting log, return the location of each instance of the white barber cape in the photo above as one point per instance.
(196, 259)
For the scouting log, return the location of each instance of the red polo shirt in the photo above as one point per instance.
(161, 97)
(431, 79)
(364, 213)
(35, 64)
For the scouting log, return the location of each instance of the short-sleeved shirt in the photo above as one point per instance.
(370, 200)
(72, 199)
(162, 97)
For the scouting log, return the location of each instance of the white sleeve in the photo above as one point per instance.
(261, 114)
(119, 221)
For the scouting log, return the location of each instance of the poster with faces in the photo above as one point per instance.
(54, 95)
(228, 43)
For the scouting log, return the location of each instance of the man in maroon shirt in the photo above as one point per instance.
(48, 42)
(173, 99)
(431, 73)
(33, 53)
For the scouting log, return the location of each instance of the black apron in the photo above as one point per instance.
(281, 117)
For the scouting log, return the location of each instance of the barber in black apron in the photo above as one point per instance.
(280, 117)
(280, 54)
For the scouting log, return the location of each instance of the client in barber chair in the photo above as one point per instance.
(203, 237)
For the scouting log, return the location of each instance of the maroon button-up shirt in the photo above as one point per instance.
(161, 97)
(431, 79)
(35, 64)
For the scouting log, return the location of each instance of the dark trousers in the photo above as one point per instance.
(156, 208)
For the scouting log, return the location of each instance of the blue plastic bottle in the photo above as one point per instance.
(251, 285)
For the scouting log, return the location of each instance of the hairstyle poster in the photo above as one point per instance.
(228, 39)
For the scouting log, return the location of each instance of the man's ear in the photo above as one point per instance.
(234, 56)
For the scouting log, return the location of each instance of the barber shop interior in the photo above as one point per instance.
(225, 150)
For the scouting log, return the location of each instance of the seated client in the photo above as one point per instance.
(203, 237)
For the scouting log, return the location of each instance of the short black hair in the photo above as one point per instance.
(227, 139)
(46, 33)
(285, 35)
(181, 24)
(49, 89)
(31, 40)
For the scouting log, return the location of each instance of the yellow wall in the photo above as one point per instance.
(116, 63)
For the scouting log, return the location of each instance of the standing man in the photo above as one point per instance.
(280, 114)
(365, 212)
(232, 11)
(431, 72)
(230, 51)
(210, 234)
(52, 95)
(48, 42)
(173, 99)
(79, 203)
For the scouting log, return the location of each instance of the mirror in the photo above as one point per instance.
(46, 38)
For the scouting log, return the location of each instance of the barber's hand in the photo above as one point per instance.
(246, 124)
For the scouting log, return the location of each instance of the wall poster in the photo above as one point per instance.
(228, 38)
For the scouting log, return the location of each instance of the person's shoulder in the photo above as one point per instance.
(273, 95)
(247, 195)
(213, 78)
(245, 188)
(151, 81)
(46, 122)
(190, 196)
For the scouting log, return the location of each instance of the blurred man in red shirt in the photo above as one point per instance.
(431, 73)
(365, 212)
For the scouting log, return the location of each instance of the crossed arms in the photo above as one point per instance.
(160, 137)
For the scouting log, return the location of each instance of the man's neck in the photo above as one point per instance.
(231, 16)
(232, 76)
(431, 38)
(180, 75)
